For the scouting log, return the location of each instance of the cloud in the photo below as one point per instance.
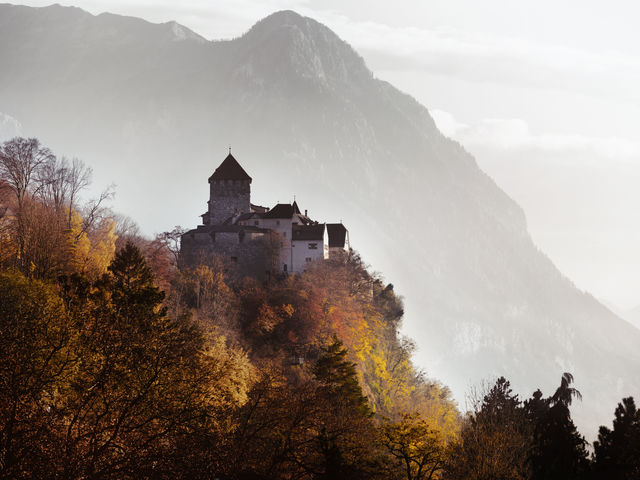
(213, 20)
(486, 58)
(514, 135)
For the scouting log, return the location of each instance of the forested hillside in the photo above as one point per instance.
(106, 375)
(116, 363)
(155, 105)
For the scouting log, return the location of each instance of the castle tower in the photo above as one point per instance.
(229, 191)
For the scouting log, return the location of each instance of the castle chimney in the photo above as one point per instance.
(305, 212)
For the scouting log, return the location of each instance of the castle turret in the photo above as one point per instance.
(229, 192)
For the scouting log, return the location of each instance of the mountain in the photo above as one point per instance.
(154, 106)
(633, 316)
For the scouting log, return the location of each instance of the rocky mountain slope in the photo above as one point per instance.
(153, 107)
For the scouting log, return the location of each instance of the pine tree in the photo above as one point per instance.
(344, 417)
(494, 441)
(340, 378)
(134, 293)
(617, 451)
(138, 384)
(559, 451)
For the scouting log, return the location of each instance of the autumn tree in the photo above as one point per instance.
(204, 292)
(21, 160)
(48, 229)
(60, 182)
(36, 362)
(147, 381)
(273, 428)
(494, 440)
(419, 449)
(302, 422)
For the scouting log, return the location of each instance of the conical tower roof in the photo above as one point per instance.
(229, 169)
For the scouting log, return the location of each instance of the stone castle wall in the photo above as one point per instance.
(244, 254)
(227, 198)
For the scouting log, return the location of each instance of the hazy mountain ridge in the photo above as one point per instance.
(631, 315)
(308, 117)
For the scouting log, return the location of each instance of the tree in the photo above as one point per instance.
(49, 231)
(565, 394)
(418, 448)
(494, 440)
(340, 378)
(147, 381)
(98, 381)
(306, 422)
(343, 429)
(617, 450)
(36, 362)
(274, 428)
(559, 451)
(21, 160)
(293, 426)
(60, 183)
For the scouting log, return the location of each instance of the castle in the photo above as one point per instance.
(259, 240)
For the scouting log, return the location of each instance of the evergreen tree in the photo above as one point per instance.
(340, 378)
(344, 419)
(138, 384)
(617, 451)
(559, 451)
(494, 441)
(135, 296)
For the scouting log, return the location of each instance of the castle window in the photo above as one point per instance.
(313, 246)
(277, 222)
(284, 267)
(234, 259)
(308, 259)
(257, 222)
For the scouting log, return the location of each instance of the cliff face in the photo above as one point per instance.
(153, 107)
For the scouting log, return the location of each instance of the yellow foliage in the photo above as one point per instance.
(229, 375)
(90, 252)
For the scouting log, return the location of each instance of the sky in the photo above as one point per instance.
(543, 93)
